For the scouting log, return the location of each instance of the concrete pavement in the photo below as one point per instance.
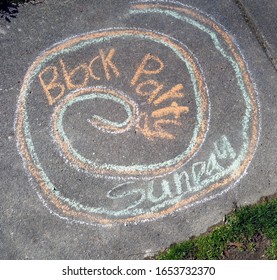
(262, 19)
(126, 127)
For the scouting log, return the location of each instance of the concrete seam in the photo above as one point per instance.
(258, 34)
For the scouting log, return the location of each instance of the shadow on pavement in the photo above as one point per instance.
(8, 10)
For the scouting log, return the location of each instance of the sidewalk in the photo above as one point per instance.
(126, 127)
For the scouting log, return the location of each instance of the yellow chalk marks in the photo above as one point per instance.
(143, 70)
(52, 85)
(107, 63)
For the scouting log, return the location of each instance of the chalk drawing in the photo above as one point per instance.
(73, 80)
(142, 119)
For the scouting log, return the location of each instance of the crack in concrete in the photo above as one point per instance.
(258, 34)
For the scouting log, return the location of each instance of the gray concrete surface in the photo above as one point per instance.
(124, 190)
(263, 18)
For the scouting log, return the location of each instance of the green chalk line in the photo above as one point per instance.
(245, 122)
(157, 165)
(30, 145)
(236, 163)
(86, 97)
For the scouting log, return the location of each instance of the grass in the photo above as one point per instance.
(239, 229)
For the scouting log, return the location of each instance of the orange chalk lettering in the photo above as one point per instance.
(69, 75)
(162, 133)
(47, 87)
(152, 93)
(173, 109)
(90, 68)
(107, 63)
(174, 92)
(143, 126)
(143, 70)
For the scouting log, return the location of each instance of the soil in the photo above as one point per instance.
(255, 250)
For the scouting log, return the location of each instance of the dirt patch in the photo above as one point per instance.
(253, 250)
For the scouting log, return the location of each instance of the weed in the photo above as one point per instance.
(241, 229)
